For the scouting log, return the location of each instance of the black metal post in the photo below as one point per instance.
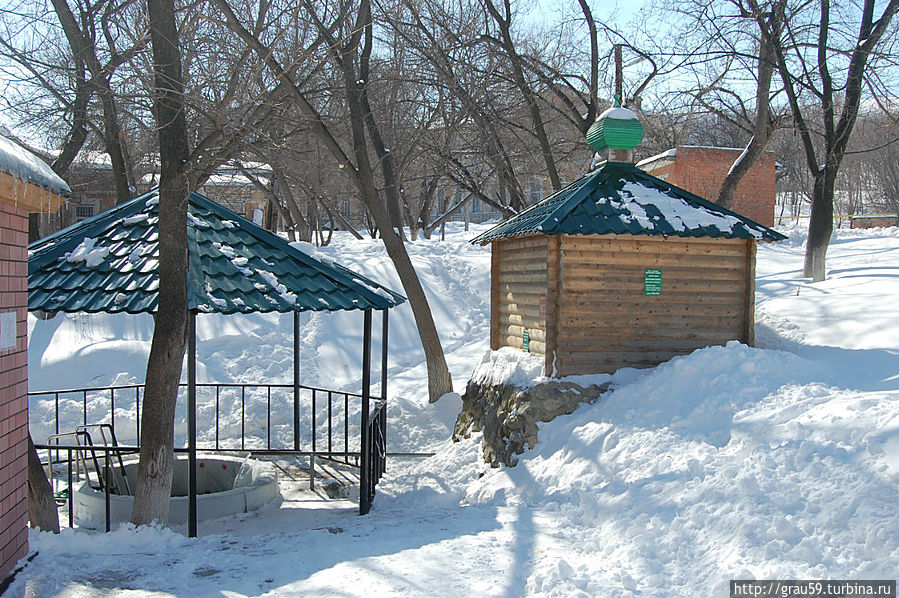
(365, 465)
(384, 375)
(192, 426)
(296, 380)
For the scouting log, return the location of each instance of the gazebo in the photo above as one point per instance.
(109, 264)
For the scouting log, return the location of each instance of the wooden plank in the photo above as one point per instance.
(495, 257)
(552, 302)
(647, 243)
(519, 298)
(537, 278)
(600, 307)
(534, 240)
(536, 254)
(532, 311)
(28, 196)
(634, 285)
(622, 358)
(536, 347)
(623, 259)
(682, 345)
(518, 331)
(749, 318)
(670, 332)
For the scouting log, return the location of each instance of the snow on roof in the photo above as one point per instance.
(619, 113)
(22, 164)
(666, 154)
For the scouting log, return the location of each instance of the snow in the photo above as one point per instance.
(22, 164)
(775, 461)
(87, 253)
(618, 113)
(666, 154)
(136, 218)
(677, 212)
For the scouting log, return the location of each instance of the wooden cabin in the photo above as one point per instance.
(27, 185)
(621, 269)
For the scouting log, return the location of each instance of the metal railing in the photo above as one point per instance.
(315, 422)
(375, 456)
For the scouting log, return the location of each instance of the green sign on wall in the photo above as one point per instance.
(652, 281)
(527, 342)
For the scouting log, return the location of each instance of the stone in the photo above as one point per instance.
(508, 415)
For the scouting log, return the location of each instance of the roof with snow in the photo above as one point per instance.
(619, 198)
(22, 164)
(109, 263)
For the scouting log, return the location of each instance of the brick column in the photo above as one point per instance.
(13, 386)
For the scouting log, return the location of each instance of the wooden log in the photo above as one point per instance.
(631, 243)
(707, 308)
(634, 285)
(537, 278)
(609, 334)
(643, 345)
(552, 303)
(495, 258)
(516, 342)
(517, 330)
(749, 317)
(532, 311)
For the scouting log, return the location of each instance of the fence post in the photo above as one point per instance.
(365, 465)
(384, 382)
(296, 380)
(192, 426)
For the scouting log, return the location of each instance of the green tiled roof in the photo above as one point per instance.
(108, 263)
(619, 198)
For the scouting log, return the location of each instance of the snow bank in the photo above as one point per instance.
(780, 461)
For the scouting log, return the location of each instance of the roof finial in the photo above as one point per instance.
(616, 129)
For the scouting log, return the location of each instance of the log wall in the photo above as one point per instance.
(518, 283)
(606, 322)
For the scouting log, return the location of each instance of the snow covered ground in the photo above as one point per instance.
(779, 461)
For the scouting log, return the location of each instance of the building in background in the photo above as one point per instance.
(701, 170)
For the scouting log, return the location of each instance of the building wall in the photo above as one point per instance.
(518, 285)
(873, 221)
(701, 171)
(13, 388)
(605, 321)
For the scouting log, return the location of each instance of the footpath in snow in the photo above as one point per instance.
(779, 461)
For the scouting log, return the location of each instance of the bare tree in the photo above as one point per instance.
(154, 476)
(806, 57)
(347, 32)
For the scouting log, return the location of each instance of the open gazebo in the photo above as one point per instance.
(109, 264)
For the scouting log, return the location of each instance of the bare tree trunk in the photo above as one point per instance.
(527, 91)
(154, 476)
(78, 131)
(820, 227)
(42, 511)
(763, 125)
(83, 50)
(360, 170)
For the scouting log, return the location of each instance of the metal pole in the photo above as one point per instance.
(384, 374)
(365, 466)
(296, 380)
(192, 426)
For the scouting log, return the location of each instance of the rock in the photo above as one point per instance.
(508, 415)
(335, 489)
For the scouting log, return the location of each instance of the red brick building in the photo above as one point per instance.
(701, 170)
(27, 185)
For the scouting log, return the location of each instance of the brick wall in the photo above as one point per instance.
(13, 389)
(701, 170)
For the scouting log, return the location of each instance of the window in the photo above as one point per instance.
(83, 212)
